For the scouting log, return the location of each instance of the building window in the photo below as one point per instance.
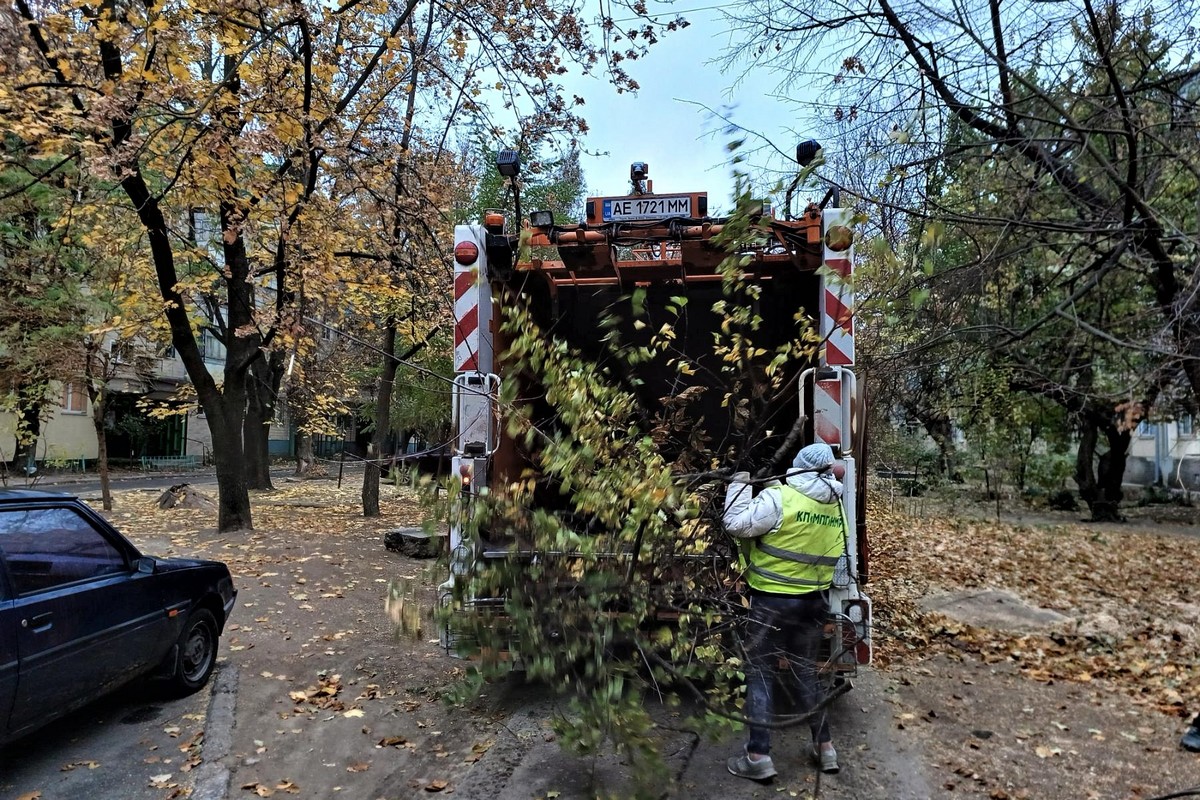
(1184, 425)
(1145, 430)
(74, 398)
(210, 348)
(124, 352)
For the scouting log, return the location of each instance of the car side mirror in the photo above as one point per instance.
(144, 565)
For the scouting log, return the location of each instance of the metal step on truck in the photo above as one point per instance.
(586, 282)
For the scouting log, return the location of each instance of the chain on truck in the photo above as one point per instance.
(662, 243)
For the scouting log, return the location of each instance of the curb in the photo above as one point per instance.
(212, 777)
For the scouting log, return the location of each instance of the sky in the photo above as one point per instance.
(670, 122)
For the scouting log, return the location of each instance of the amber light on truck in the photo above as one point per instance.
(839, 238)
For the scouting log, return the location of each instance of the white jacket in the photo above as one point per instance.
(748, 517)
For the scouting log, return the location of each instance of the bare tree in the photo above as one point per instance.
(1051, 159)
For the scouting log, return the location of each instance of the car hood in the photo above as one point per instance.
(176, 564)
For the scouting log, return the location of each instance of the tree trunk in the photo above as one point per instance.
(29, 429)
(941, 430)
(383, 408)
(233, 496)
(256, 432)
(255, 442)
(99, 407)
(234, 502)
(1101, 488)
(304, 452)
(266, 376)
(96, 383)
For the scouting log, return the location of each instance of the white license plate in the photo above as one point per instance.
(656, 207)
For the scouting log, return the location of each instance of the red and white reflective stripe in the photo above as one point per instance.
(837, 296)
(466, 318)
(827, 405)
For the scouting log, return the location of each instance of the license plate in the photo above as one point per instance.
(656, 207)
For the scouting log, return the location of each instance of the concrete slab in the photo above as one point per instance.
(994, 608)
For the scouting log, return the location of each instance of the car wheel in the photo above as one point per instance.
(197, 652)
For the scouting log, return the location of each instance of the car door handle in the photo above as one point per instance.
(39, 622)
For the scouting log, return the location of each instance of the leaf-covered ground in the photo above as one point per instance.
(1092, 706)
(330, 697)
(339, 670)
(1133, 596)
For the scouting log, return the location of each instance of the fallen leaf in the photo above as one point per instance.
(359, 767)
(34, 795)
(354, 712)
(436, 786)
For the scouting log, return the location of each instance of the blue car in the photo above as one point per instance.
(83, 612)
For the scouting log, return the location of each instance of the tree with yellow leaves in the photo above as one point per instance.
(224, 125)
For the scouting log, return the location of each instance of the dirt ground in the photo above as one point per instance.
(342, 688)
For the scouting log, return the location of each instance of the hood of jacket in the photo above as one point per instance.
(820, 486)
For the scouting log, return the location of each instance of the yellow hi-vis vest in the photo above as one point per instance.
(801, 554)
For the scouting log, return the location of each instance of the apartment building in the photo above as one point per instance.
(141, 382)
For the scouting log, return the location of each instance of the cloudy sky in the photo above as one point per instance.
(670, 123)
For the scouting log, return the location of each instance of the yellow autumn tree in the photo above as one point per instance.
(223, 125)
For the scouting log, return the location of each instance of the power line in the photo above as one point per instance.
(380, 350)
(675, 12)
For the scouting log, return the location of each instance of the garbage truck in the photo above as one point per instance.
(570, 277)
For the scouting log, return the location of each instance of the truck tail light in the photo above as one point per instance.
(856, 630)
(466, 253)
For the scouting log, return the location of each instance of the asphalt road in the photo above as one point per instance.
(137, 744)
(88, 484)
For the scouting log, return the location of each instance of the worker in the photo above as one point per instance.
(795, 536)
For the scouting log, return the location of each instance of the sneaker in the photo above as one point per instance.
(760, 770)
(1191, 739)
(827, 759)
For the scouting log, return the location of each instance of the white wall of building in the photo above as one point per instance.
(1169, 450)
